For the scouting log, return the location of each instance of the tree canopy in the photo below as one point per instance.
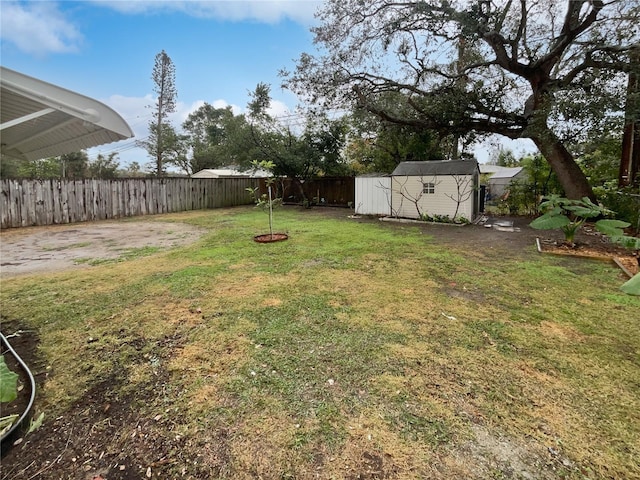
(69, 166)
(216, 138)
(317, 149)
(552, 71)
(378, 146)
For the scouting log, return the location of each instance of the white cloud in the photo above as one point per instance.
(223, 104)
(278, 109)
(37, 28)
(136, 111)
(269, 11)
(40, 27)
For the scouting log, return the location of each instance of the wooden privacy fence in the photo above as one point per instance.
(46, 202)
(331, 191)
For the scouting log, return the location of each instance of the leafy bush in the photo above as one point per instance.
(569, 215)
(522, 198)
(8, 393)
(624, 201)
(459, 220)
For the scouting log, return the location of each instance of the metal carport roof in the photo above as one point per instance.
(41, 120)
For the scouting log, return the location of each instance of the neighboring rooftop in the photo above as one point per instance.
(497, 171)
(231, 172)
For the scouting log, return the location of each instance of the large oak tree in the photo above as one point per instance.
(552, 71)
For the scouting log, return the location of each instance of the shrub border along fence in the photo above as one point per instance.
(46, 202)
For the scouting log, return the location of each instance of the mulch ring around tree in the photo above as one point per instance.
(270, 237)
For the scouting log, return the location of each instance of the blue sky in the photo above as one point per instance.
(106, 49)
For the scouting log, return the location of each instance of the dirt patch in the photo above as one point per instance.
(595, 249)
(49, 249)
(270, 237)
(503, 457)
(103, 435)
(519, 238)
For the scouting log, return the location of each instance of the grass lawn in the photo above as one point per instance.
(352, 350)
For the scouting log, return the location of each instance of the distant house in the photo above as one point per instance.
(499, 178)
(230, 172)
(436, 188)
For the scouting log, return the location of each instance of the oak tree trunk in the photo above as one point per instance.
(571, 177)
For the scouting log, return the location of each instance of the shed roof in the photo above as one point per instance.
(373, 175)
(489, 168)
(507, 172)
(41, 120)
(437, 167)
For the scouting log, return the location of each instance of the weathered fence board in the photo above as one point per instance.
(46, 202)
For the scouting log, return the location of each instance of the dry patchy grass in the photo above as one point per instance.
(352, 351)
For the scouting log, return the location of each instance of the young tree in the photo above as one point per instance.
(164, 86)
(546, 70)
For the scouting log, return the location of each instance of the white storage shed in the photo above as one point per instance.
(436, 188)
(373, 195)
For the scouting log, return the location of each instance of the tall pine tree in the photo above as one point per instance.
(164, 74)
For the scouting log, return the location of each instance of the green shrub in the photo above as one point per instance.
(624, 201)
(459, 220)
